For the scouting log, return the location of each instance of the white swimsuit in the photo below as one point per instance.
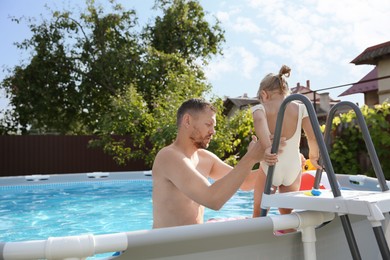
(288, 166)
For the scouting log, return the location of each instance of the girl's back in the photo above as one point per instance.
(290, 119)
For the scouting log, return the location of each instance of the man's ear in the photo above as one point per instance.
(186, 120)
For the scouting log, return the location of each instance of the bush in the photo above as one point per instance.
(233, 134)
(349, 153)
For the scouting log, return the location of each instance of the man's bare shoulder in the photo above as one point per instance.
(164, 160)
(205, 152)
(167, 152)
(208, 156)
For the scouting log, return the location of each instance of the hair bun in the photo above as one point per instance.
(284, 71)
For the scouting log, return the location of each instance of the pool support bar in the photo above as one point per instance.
(81, 247)
(70, 247)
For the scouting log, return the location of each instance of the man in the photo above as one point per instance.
(181, 189)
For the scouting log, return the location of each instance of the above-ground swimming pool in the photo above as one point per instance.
(241, 239)
(38, 207)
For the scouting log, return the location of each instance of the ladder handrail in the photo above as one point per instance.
(366, 137)
(317, 132)
(378, 231)
(326, 160)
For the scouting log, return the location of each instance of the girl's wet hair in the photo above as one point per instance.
(192, 106)
(272, 82)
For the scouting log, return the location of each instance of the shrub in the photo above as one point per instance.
(349, 153)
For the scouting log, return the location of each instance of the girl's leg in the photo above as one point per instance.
(293, 187)
(258, 192)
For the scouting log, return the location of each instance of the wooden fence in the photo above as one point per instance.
(52, 154)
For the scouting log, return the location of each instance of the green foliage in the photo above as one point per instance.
(184, 30)
(233, 134)
(147, 110)
(349, 151)
(149, 120)
(93, 73)
(7, 123)
(76, 65)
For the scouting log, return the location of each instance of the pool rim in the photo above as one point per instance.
(37, 179)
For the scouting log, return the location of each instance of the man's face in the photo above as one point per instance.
(203, 128)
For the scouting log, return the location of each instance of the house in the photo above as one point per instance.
(376, 84)
(321, 101)
(231, 105)
(368, 85)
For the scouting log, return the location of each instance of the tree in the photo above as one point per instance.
(76, 65)
(168, 75)
(183, 30)
(150, 120)
(96, 74)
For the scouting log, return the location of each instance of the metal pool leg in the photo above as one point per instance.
(377, 227)
(353, 247)
(381, 239)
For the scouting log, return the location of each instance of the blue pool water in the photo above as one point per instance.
(40, 211)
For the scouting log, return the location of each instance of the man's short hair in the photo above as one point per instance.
(191, 106)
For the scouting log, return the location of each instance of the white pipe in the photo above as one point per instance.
(309, 220)
(80, 247)
(301, 219)
(110, 243)
(31, 250)
(60, 247)
(71, 247)
(309, 243)
(282, 222)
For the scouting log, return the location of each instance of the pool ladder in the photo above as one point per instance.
(377, 207)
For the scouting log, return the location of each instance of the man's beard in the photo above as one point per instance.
(199, 141)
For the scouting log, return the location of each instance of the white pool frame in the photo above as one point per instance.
(320, 235)
(74, 177)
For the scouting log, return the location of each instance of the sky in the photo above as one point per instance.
(317, 39)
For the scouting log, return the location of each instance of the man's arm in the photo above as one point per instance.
(181, 172)
(220, 169)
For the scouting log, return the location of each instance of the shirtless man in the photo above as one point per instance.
(181, 189)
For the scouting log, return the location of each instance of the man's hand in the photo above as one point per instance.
(256, 150)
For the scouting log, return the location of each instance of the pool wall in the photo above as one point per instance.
(232, 240)
(38, 179)
(163, 241)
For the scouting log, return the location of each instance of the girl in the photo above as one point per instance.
(287, 173)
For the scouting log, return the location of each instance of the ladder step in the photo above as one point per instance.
(365, 203)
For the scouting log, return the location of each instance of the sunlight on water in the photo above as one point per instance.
(66, 209)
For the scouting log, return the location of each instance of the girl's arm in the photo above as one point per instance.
(314, 153)
(262, 132)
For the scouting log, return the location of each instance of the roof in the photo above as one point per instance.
(242, 102)
(304, 91)
(310, 94)
(239, 102)
(367, 85)
(373, 54)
